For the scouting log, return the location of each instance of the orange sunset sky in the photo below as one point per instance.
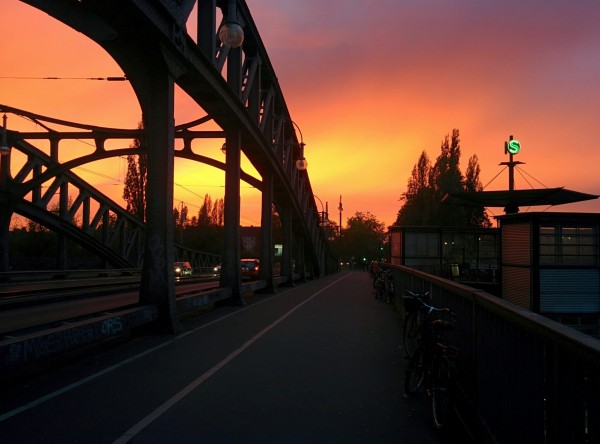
(371, 84)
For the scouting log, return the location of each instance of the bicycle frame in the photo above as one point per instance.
(434, 361)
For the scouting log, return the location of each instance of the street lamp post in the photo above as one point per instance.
(4, 148)
(340, 208)
(324, 212)
(4, 154)
(301, 162)
(5, 210)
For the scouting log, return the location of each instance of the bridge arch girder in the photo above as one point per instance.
(61, 173)
(154, 31)
(149, 41)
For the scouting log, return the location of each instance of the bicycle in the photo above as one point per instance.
(413, 303)
(383, 285)
(443, 369)
(388, 286)
(433, 363)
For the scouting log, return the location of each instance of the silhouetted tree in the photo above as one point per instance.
(136, 180)
(417, 207)
(428, 185)
(476, 216)
(217, 214)
(203, 232)
(445, 177)
(363, 239)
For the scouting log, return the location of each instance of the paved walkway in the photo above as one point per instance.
(317, 363)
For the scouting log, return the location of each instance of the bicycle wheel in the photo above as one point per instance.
(389, 293)
(415, 373)
(440, 391)
(380, 291)
(410, 334)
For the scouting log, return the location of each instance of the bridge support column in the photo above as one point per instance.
(266, 229)
(156, 92)
(300, 261)
(230, 266)
(5, 216)
(63, 207)
(230, 258)
(286, 259)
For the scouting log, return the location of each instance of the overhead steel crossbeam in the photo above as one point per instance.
(99, 137)
(31, 189)
(136, 30)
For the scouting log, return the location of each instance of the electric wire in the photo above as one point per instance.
(108, 79)
(494, 178)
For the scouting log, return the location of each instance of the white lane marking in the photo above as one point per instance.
(145, 422)
(114, 367)
(79, 383)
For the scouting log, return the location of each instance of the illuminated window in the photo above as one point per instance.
(568, 245)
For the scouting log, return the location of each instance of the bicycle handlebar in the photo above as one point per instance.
(416, 295)
(430, 308)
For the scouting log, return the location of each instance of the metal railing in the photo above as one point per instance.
(523, 377)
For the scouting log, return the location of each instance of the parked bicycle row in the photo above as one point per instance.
(432, 359)
(383, 284)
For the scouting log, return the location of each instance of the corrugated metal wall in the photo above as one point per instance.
(516, 244)
(516, 264)
(569, 290)
(516, 285)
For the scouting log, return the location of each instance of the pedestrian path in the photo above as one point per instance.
(320, 362)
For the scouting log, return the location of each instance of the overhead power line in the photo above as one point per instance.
(109, 79)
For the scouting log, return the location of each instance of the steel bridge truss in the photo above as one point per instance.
(84, 214)
(238, 89)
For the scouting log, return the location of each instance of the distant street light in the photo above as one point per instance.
(324, 211)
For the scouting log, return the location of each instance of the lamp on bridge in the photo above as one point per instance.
(301, 163)
(4, 148)
(230, 32)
